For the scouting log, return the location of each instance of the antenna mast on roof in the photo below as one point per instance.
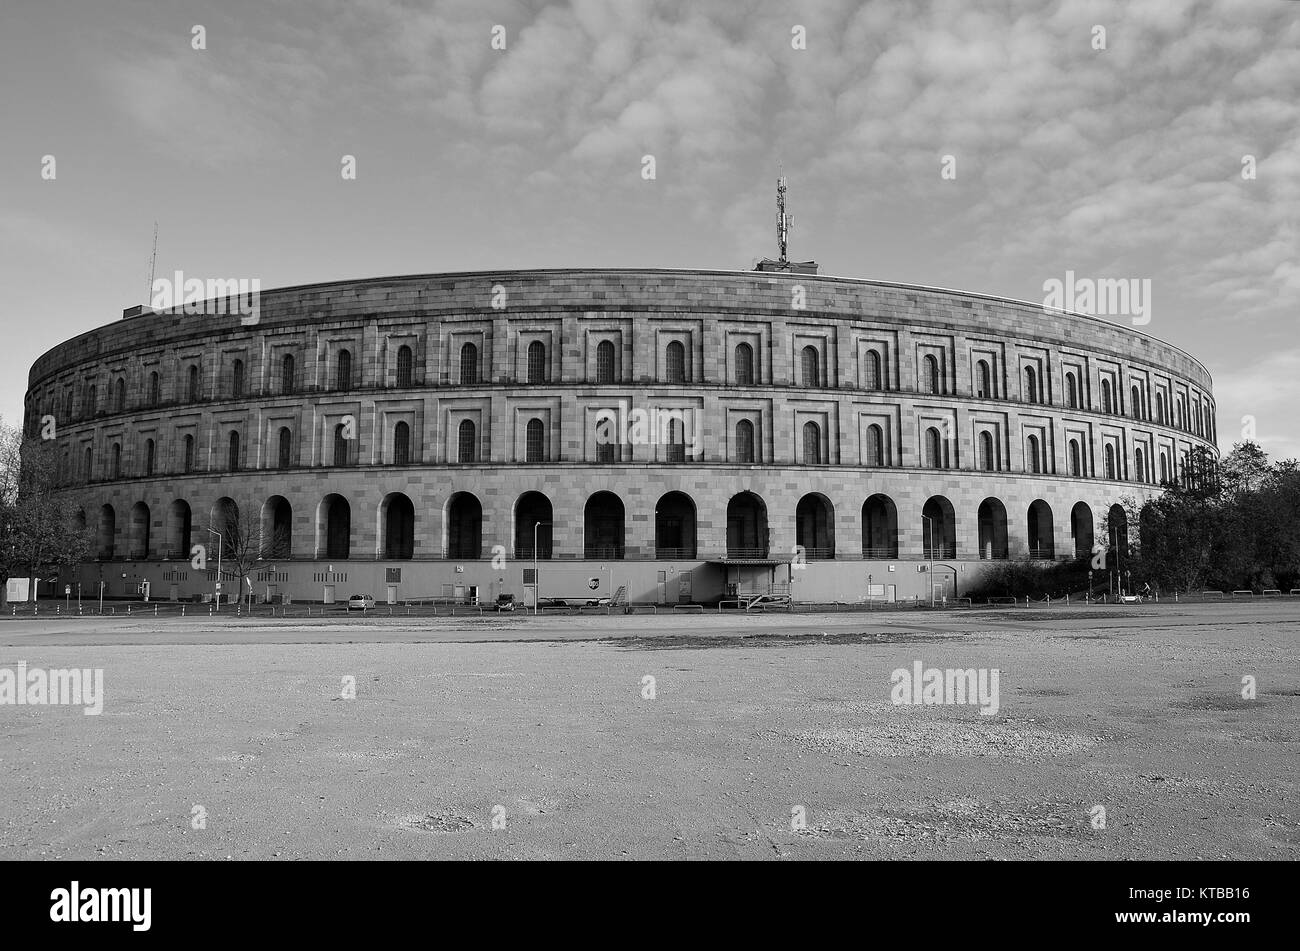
(153, 261)
(784, 222)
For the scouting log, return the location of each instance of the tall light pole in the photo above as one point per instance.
(929, 524)
(213, 531)
(537, 579)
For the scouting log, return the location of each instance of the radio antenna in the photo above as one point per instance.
(153, 262)
(784, 222)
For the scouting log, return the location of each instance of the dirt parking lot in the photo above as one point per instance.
(766, 737)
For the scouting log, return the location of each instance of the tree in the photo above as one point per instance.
(38, 532)
(246, 542)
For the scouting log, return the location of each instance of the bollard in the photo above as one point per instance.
(128, 609)
(155, 610)
(209, 610)
(182, 610)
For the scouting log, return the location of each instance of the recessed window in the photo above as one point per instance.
(534, 441)
(745, 442)
(537, 362)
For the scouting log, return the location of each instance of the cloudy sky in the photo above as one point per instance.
(1119, 162)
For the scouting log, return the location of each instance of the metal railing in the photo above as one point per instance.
(819, 554)
(674, 554)
(889, 552)
(940, 551)
(612, 552)
(746, 552)
(1042, 553)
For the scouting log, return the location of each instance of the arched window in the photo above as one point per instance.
(232, 462)
(1164, 468)
(343, 371)
(466, 442)
(537, 362)
(340, 445)
(986, 451)
(1160, 408)
(90, 463)
(155, 389)
(469, 363)
(1071, 391)
(405, 366)
(1106, 402)
(1034, 460)
(810, 361)
(193, 389)
(676, 441)
(187, 460)
(744, 365)
(284, 456)
(1135, 402)
(983, 380)
(1031, 385)
(1139, 464)
(605, 450)
(402, 444)
(745, 441)
(874, 378)
(117, 460)
(534, 441)
(933, 449)
(812, 444)
(675, 362)
(930, 374)
(120, 395)
(286, 374)
(148, 457)
(237, 378)
(1074, 458)
(605, 362)
(1110, 461)
(90, 400)
(875, 446)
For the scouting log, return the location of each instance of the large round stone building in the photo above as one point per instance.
(679, 434)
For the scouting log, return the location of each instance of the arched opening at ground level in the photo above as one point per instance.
(674, 526)
(879, 527)
(747, 535)
(992, 516)
(814, 526)
(602, 528)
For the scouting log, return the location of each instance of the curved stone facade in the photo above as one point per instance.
(401, 429)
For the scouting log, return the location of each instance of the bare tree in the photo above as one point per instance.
(245, 543)
(38, 533)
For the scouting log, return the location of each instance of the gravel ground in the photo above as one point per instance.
(510, 738)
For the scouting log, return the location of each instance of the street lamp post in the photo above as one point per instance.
(213, 531)
(537, 579)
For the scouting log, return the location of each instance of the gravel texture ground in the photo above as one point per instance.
(767, 737)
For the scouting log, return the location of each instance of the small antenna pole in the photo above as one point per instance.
(153, 261)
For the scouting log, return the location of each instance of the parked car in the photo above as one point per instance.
(506, 602)
(361, 602)
(597, 602)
